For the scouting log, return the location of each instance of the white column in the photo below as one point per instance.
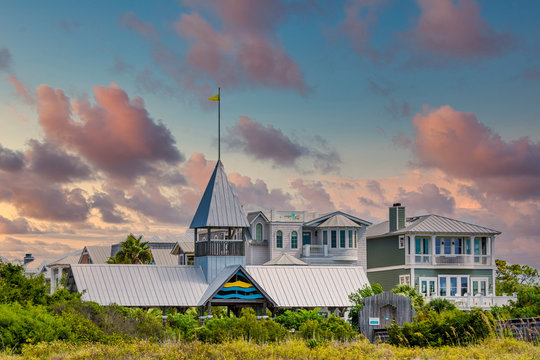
(432, 250)
(492, 253)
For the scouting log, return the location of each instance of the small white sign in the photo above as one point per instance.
(373, 321)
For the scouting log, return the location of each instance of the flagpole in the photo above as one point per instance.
(219, 123)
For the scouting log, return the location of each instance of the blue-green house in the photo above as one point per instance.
(441, 257)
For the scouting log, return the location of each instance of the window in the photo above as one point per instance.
(325, 237)
(405, 279)
(294, 239)
(457, 246)
(350, 239)
(306, 238)
(421, 245)
(401, 242)
(447, 246)
(279, 239)
(342, 238)
(259, 232)
(333, 233)
(468, 246)
(355, 245)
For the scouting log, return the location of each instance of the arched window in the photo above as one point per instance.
(294, 239)
(258, 232)
(279, 239)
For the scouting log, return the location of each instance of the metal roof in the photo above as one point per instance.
(164, 257)
(285, 259)
(98, 254)
(187, 247)
(320, 220)
(219, 206)
(431, 224)
(253, 215)
(68, 259)
(140, 285)
(223, 277)
(309, 286)
(338, 220)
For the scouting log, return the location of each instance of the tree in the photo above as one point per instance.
(133, 251)
(513, 278)
(411, 292)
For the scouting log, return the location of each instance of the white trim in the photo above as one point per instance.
(434, 267)
(386, 268)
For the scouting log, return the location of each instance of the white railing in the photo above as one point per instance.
(481, 301)
(449, 259)
(315, 250)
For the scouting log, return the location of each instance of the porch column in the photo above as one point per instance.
(412, 253)
(492, 253)
(432, 250)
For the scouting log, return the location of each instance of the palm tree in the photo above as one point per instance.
(133, 251)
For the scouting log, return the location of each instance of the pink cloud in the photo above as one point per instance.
(117, 135)
(21, 90)
(245, 50)
(458, 144)
(360, 18)
(401, 140)
(15, 226)
(313, 195)
(256, 196)
(455, 28)
(131, 21)
(428, 197)
(11, 160)
(5, 59)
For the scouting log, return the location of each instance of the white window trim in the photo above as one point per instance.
(401, 242)
(405, 279)
(262, 231)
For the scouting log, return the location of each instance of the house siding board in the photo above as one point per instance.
(384, 252)
(388, 279)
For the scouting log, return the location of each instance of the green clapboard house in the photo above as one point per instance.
(441, 257)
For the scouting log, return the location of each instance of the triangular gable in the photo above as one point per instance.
(234, 283)
(259, 214)
(320, 220)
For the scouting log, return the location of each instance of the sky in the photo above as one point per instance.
(106, 130)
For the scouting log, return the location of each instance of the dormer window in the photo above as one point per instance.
(258, 232)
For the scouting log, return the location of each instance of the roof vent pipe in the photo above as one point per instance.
(396, 217)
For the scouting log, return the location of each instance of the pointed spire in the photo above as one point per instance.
(219, 206)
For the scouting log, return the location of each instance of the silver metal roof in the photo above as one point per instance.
(320, 220)
(338, 220)
(140, 285)
(285, 259)
(98, 254)
(219, 206)
(431, 224)
(187, 247)
(309, 286)
(164, 257)
(68, 259)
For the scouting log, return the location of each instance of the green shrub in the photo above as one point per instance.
(439, 305)
(17, 286)
(295, 319)
(184, 325)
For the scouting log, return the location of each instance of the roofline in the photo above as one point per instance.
(329, 215)
(259, 213)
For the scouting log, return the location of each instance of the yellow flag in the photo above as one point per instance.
(214, 98)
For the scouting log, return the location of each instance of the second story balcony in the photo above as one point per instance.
(220, 248)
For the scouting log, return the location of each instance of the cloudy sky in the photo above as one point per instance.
(106, 129)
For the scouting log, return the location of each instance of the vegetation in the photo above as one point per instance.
(357, 299)
(133, 251)
(523, 280)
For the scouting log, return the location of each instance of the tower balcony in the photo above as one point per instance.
(220, 248)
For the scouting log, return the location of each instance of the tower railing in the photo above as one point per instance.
(220, 248)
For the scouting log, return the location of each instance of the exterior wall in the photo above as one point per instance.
(257, 254)
(212, 265)
(487, 273)
(286, 229)
(387, 279)
(362, 247)
(384, 252)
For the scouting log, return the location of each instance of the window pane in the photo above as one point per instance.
(279, 239)
(325, 237)
(294, 239)
(442, 286)
(438, 246)
(259, 232)
(334, 238)
(475, 287)
(426, 245)
(453, 286)
(457, 246)
(468, 246)
(447, 246)
(483, 287)
(355, 245)
(306, 238)
(417, 246)
(476, 246)
(484, 246)
(342, 238)
(350, 239)
(464, 286)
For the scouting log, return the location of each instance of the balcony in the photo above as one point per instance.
(468, 302)
(449, 259)
(220, 248)
(315, 251)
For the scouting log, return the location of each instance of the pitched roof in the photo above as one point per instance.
(431, 224)
(140, 285)
(318, 221)
(253, 215)
(222, 278)
(164, 257)
(219, 206)
(67, 259)
(309, 286)
(98, 254)
(338, 220)
(285, 259)
(187, 247)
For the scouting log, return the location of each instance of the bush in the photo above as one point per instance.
(451, 327)
(295, 319)
(440, 305)
(184, 325)
(16, 286)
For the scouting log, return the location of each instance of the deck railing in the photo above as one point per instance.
(220, 248)
(467, 302)
(315, 250)
(440, 259)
